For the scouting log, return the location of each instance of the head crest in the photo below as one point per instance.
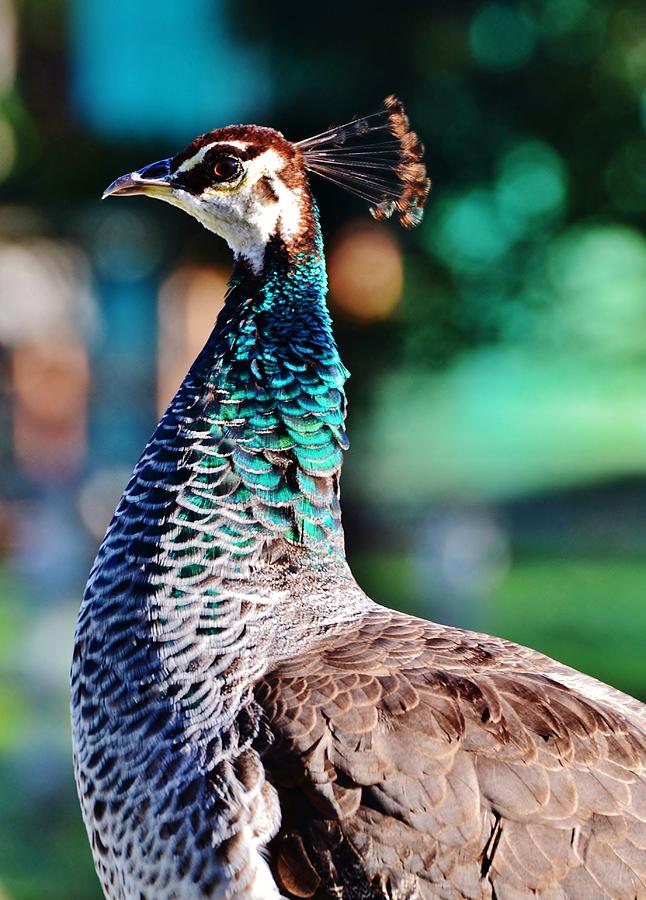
(377, 158)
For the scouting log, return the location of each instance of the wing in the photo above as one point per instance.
(417, 761)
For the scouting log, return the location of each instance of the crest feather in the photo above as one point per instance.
(376, 157)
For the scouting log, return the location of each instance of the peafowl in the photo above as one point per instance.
(246, 722)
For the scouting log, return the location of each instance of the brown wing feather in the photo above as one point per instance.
(415, 761)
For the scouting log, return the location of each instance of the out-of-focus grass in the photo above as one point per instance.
(388, 578)
(589, 613)
(44, 852)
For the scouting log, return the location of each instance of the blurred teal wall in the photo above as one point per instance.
(161, 68)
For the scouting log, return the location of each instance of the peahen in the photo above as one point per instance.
(246, 722)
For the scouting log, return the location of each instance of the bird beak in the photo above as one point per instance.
(153, 180)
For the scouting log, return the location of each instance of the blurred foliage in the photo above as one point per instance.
(527, 606)
(498, 472)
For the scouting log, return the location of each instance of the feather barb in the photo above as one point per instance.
(376, 157)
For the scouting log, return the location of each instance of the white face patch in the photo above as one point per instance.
(241, 214)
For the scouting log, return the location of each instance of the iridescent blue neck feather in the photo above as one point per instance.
(239, 484)
(265, 400)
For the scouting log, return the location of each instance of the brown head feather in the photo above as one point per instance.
(378, 158)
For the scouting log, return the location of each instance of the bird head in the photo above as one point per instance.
(248, 183)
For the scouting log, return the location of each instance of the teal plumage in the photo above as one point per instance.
(279, 388)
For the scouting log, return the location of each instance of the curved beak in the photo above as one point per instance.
(153, 180)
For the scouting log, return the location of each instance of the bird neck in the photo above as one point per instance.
(226, 550)
(271, 393)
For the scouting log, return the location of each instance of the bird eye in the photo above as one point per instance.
(227, 168)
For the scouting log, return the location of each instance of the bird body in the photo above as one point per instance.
(247, 723)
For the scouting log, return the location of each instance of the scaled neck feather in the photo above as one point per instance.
(251, 446)
(226, 549)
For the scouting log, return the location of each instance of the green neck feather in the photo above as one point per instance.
(264, 406)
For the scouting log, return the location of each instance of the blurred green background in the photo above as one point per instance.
(497, 477)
